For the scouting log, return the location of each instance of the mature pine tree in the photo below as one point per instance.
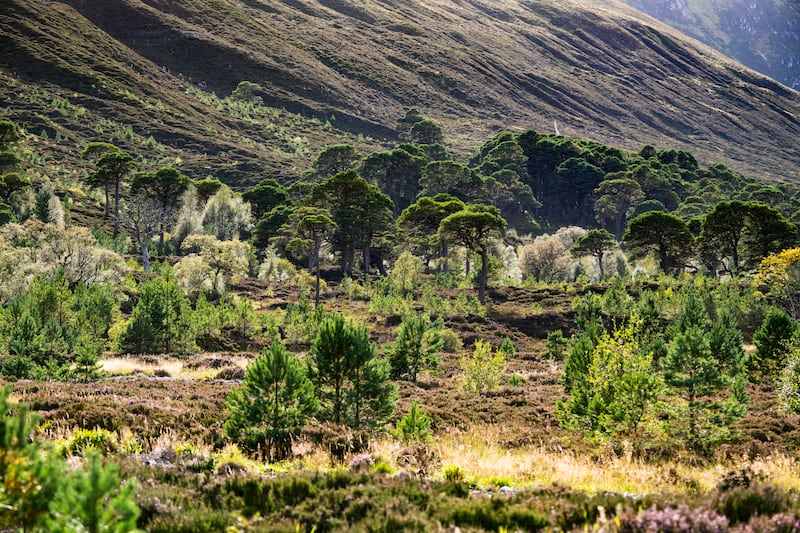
(473, 228)
(420, 222)
(316, 228)
(663, 235)
(111, 167)
(595, 242)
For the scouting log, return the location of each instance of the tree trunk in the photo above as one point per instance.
(116, 209)
(381, 266)
(108, 205)
(443, 255)
(483, 275)
(692, 419)
(316, 260)
(357, 387)
(351, 259)
(145, 256)
(600, 266)
(343, 261)
(366, 260)
(337, 405)
(161, 239)
(619, 224)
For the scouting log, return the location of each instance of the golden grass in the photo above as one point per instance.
(476, 453)
(175, 368)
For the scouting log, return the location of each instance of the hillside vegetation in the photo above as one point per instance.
(455, 327)
(762, 35)
(337, 353)
(599, 72)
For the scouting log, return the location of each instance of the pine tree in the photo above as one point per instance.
(352, 382)
(160, 320)
(87, 357)
(272, 405)
(139, 335)
(694, 373)
(789, 390)
(97, 308)
(29, 476)
(727, 344)
(94, 501)
(415, 426)
(773, 341)
(579, 356)
(418, 343)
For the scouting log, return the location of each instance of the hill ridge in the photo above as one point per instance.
(602, 71)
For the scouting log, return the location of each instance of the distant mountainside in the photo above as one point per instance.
(152, 73)
(762, 34)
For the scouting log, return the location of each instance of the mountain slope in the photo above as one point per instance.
(599, 71)
(763, 35)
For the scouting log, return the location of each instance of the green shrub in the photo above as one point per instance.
(772, 340)
(789, 388)
(739, 504)
(555, 347)
(382, 467)
(516, 381)
(508, 348)
(483, 370)
(434, 305)
(87, 440)
(453, 473)
(451, 341)
(493, 514)
(17, 367)
(415, 426)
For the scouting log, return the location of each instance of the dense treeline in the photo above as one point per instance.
(411, 209)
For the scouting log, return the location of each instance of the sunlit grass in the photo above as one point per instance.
(164, 367)
(486, 463)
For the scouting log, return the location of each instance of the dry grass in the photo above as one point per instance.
(164, 367)
(478, 455)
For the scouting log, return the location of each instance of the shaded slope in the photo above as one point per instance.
(601, 72)
(51, 53)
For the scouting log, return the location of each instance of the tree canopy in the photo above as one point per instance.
(473, 227)
(663, 235)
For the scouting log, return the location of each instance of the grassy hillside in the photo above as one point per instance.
(333, 70)
(762, 35)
